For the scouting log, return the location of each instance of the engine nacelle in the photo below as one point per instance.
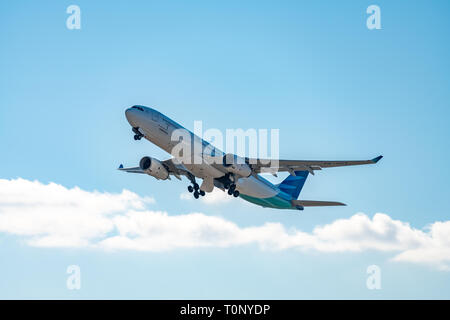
(154, 168)
(236, 165)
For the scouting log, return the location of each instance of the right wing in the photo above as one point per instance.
(267, 165)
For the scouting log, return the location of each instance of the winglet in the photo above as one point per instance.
(375, 160)
(121, 166)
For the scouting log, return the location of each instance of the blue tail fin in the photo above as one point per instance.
(293, 184)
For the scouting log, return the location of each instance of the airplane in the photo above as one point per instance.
(239, 176)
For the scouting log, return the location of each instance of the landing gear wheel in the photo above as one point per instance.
(137, 134)
(190, 189)
(236, 193)
(196, 186)
(196, 195)
(202, 193)
(231, 189)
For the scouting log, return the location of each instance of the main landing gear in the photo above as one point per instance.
(229, 183)
(196, 190)
(232, 189)
(137, 134)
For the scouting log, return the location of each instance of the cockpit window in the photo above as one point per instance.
(137, 107)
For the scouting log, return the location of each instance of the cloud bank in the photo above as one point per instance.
(51, 215)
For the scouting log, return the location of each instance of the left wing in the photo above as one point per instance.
(266, 165)
(131, 170)
(174, 168)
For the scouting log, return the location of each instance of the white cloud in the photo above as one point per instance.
(186, 196)
(217, 196)
(54, 216)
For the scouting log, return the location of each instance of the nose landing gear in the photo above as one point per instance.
(137, 134)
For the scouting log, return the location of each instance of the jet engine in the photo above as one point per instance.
(154, 168)
(236, 165)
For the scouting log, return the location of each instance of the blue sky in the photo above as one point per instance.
(335, 89)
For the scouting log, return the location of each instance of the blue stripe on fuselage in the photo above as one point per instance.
(280, 201)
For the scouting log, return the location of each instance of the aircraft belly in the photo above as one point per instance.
(276, 202)
(204, 170)
(255, 188)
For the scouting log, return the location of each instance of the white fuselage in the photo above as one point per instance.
(158, 129)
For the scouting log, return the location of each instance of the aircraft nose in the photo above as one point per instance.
(130, 114)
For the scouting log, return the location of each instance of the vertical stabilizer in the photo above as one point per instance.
(293, 184)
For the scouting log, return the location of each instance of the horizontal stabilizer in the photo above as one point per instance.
(131, 170)
(310, 203)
